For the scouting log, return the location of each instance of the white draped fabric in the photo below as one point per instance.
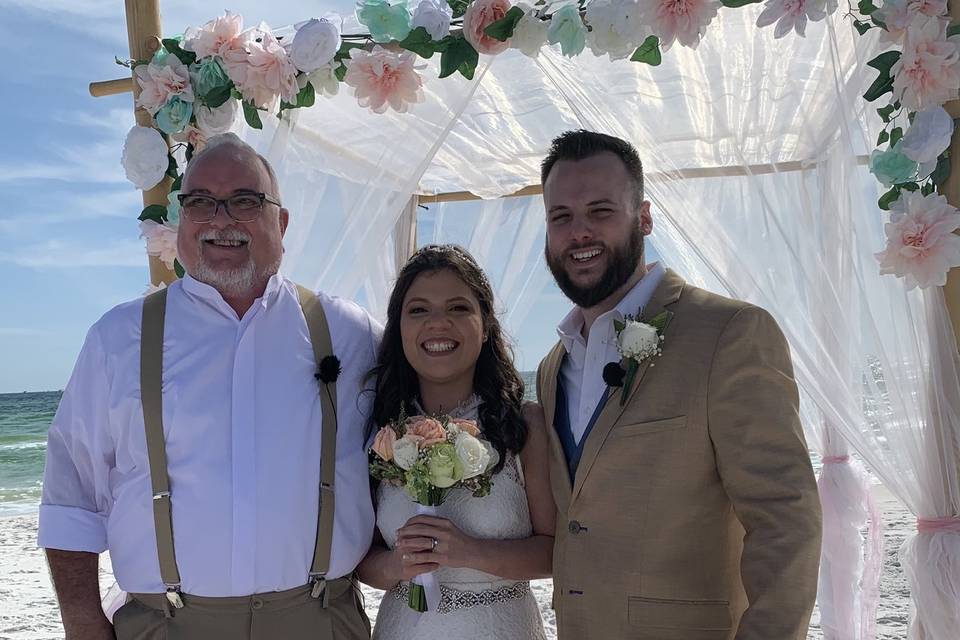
(753, 149)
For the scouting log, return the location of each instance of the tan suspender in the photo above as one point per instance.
(151, 376)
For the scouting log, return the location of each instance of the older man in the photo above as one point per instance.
(687, 504)
(197, 438)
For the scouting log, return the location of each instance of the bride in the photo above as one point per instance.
(443, 352)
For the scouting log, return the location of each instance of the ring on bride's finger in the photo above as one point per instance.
(435, 543)
(404, 557)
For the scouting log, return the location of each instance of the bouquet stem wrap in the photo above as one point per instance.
(424, 589)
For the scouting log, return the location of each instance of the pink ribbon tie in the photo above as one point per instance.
(938, 525)
(835, 459)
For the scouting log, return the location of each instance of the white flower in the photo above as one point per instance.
(161, 240)
(793, 14)
(472, 454)
(530, 34)
(929, 135)
(153, 288)
(324, 80)
(617, 27)
(218, 120)
(314, 45)
(493, 453)
(434, 16)
(145, 157)
(638, 340)
(405, 452)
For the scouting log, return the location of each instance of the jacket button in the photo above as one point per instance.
(257, 603)
(574, 527)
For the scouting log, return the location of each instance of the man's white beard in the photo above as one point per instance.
(235, 282)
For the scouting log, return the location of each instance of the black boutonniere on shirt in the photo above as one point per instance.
(329, 370)
(613, 374)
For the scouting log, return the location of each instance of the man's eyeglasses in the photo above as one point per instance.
(243, 207)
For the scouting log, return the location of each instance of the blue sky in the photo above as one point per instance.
(69, 246)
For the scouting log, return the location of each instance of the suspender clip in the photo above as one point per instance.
(319, 582)
(173, 595)
(161, 495)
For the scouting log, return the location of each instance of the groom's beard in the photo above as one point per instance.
(621, 264)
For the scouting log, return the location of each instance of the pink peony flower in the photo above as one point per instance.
(921, 245)
(926, 73)
(481, 14)
(261, 68)
(382, 79)
(161, 240)
(215, 37)
(193, 136)
(383, 443)
(469, 426)
(897, 15)
(682, 20)
(426, 428)
(793, 14)
(159, 81)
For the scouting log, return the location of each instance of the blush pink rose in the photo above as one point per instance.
(468, 426)
(683, 21)
(215, 37)
(261, 69)
(159, 81)
(480, 15)
(426, 428)
(383, 443)
(927, 73)
(161, 240)
(921, 244)
(383, 79)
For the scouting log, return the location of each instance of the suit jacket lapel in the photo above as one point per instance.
(559, 476)
(667, 293)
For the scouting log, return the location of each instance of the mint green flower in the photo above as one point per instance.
(174, 116)
(385, 21)
(444, 465)
(173, 207)
(566, 28)
(208, 76)
(892, 166)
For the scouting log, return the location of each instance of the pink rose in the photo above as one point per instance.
(261, 69)
(921, 243)
(161, 240)
(429, 430)
(382, 79)
(468, 426)
(480, 15)
(383, 443)
(213, 38)
(158, 82)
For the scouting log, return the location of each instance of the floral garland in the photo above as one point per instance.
(197, 84)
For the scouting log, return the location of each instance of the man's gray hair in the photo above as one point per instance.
(232, 140)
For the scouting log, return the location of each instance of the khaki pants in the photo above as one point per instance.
(283, 615)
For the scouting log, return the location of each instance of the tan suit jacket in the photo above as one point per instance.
(694, 512)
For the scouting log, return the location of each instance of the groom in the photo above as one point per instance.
(687, 506)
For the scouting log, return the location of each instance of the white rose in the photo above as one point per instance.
(530, 34)
(638, 340)
(324, 80)
(616, 27)
(405, 452)
(314, 45)
(434, 16)
(928, 136)
(144, 157)
(493, 453)
(472, 454)
(218, 120)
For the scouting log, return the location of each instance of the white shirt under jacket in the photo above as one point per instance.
(242, 418)
(582, 369)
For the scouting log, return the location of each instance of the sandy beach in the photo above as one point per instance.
(28, 610)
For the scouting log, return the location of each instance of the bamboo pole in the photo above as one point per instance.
(111, 87)
(143, 35)
(951, 190)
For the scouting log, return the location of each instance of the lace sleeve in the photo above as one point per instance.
(513, 469)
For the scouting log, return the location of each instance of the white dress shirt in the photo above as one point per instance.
(242, 418)
(582, 369)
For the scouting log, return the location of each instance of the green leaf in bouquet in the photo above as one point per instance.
(884, 81)
(172, 45)
(251, 115)
(648, 52)
(306, 98)
(419, 42)
(887, 112)
(619, 325)
(866, 7)
(909, 186)
(217, 96)
(459, 7)
(889, 198)
(895, 135)
(503, 28)
(459, 56)
(660, 321)
(340, 72)
(942, 172)
(172, 166)
(883, 137)
(155, 212)
(861, 26)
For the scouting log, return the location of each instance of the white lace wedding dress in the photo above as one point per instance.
(474, 605)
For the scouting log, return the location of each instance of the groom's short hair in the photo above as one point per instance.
(582, 144)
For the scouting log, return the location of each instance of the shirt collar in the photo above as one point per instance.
(569, 329)
(205, 291)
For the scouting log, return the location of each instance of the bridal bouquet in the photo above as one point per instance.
(428, 456)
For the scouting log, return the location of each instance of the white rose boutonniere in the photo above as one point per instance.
(638, 341)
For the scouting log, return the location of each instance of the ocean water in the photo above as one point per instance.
(24, 420)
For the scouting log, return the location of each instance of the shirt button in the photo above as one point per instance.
(574, 527)
(257, 603)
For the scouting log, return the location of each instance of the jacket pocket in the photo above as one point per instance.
(669, 619)
(648, 426)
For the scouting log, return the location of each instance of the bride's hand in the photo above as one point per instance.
(453, 548)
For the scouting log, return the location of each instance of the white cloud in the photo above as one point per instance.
(67, 254)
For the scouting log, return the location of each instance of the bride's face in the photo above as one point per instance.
(441, 326)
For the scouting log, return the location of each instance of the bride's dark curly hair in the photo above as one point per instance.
(495, 379)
